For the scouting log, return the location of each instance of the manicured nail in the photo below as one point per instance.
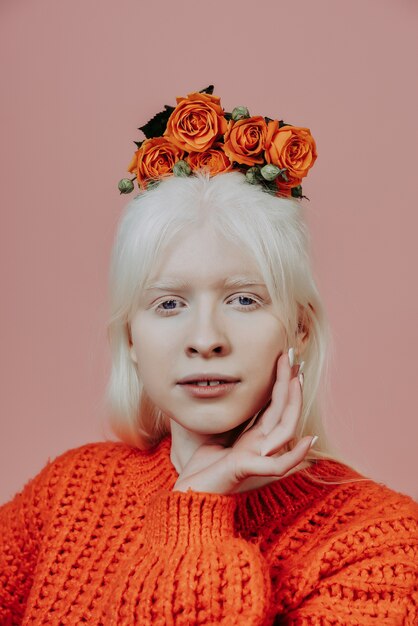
(301, 379)
(301, 366)
(313, 442)
(291, 354)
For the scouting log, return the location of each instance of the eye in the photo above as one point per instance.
(250, 306)
(166, 307)
(160, 308)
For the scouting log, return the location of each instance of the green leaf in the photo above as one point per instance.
(296, 191)
(157, 125)
(227, 116)
(269, 186)
(282, 123)
(152, 183)
(267, 119)
(283, 173)
(208, 90)
(138, 144)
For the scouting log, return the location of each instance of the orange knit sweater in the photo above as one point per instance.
(99, 537)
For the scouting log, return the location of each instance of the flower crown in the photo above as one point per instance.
(198, 133)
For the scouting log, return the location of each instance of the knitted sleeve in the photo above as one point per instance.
(190, 568)
(356, 562)
(21, 523)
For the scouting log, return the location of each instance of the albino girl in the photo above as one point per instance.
(217, 505)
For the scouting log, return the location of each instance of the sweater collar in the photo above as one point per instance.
(280, 499)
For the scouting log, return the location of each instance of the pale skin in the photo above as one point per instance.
(208, 329)
(217, 469)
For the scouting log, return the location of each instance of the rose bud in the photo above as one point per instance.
(125, 185)
(296, 192)
(240, 113)
(181, 168)
(253, 175)
(270, 172)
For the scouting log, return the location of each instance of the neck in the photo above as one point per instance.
(184, 444)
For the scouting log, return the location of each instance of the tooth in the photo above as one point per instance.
(209, 383)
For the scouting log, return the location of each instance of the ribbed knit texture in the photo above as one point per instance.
(99, 537)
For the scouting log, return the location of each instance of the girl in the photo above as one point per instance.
(219, 505)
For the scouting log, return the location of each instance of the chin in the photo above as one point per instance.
(213, 428)
(228, 437)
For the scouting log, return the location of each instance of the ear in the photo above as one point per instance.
(133, 354)
(303, 332)
(132, 350)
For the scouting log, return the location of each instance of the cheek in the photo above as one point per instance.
(269, 341)
(145, 354)
(266, 351)
(154, 357)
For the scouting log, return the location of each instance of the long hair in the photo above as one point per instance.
(272, 230)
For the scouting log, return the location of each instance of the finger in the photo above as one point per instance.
(286, 429)
(279, 396)
(274, 466)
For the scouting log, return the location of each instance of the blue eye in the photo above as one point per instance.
(246, 306)
(245, 298)
(171, 302)
(166, 302)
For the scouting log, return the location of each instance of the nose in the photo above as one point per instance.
(207, 334)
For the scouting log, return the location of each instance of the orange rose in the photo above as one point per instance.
(246, 139)
(293, 148)
(154, 159)
(284, 186)
(214, 159)
(285, 189)
(196, 122)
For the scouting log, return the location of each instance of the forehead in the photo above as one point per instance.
(202, 254)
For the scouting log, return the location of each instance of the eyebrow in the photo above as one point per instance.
(175, 283)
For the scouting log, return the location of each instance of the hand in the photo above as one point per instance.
(214, 468)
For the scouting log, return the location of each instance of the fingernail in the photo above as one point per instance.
(313, 442)
(291, 354)
(301, 366)
(301, 379)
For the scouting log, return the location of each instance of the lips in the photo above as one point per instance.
(201, 377)
(208, 391)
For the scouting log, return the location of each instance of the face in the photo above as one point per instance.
(207, 326)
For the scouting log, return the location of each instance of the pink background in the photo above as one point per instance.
(79, 77)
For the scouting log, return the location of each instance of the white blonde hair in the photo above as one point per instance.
(272, 230)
